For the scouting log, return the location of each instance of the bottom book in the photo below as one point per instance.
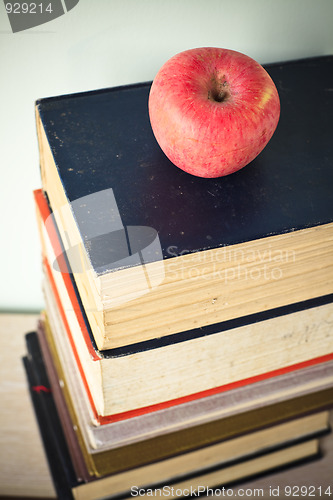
(186, 474)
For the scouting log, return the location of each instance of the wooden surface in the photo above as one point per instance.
(23, 468)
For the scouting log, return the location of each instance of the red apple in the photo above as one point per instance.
(213, 110)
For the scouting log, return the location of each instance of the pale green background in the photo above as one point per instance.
(102, 43)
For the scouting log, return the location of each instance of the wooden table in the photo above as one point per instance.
(23, 468)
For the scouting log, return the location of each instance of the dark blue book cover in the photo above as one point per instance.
(103, 139)
(132, 208)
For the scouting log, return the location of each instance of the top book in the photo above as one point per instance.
(155, 251)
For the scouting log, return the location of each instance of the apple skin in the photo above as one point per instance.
(212, 110)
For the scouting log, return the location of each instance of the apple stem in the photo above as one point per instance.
(219, 91)
(218, 96)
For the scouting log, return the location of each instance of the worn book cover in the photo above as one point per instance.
(151, 245)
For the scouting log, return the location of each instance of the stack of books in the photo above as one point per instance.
(186, 341)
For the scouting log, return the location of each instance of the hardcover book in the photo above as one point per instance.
(155, 251)
(236, 354)
(98, 436)
(219, 463)
(187, 426)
